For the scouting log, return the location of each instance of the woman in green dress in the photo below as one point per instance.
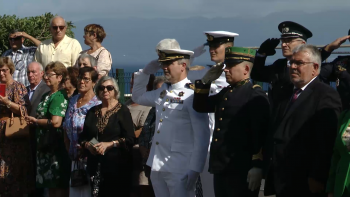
(53, 164)
(339, 180)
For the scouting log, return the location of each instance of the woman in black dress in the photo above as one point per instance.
(109, 160)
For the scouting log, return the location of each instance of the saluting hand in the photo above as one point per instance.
(213, 73)
(336, 44)
(268, 46)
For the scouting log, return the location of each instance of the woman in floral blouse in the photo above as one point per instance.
(16, 174)
(53, 164)
(75, 117)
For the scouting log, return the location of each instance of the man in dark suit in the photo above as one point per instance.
(37, 86)
(36, 89)
(303, 137)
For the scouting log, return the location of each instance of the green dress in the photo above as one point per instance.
(53, 169)
(339, 176)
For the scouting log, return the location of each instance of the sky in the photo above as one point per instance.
(134, 27)
(84, 9)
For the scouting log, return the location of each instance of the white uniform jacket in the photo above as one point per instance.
(181, 136)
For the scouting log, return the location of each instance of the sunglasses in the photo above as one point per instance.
(18, 38)
(56, 27)
(109, 88)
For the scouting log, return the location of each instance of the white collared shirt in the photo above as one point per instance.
(303, 88)
(66, 52)
(31, 91)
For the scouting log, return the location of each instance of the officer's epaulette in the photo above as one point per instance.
(256, 86)
(190, 86)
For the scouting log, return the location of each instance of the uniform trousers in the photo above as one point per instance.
(233, 185)
(169, 184)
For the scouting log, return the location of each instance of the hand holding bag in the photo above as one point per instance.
(16, 127)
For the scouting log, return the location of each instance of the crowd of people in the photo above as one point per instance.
(196, 131)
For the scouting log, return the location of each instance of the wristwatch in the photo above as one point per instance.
(9, 105)
(114, 143)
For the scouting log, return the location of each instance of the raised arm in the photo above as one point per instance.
(260, 72)
(202, 102)
(139, 91)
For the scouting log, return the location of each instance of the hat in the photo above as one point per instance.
(219, 37)
(174, 54)
(291, 29)
(239, 54)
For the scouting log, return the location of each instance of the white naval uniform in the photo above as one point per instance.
(216, 86)
(181, 136)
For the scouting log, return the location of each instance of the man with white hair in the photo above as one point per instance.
(60, 47)
(180, 143)
(303, 138)
(36, 89)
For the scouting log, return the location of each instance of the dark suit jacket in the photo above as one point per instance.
(303, 141)
(36, 97)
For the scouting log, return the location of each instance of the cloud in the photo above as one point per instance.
(84, 9)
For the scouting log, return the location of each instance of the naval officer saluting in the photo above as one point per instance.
(180, 143)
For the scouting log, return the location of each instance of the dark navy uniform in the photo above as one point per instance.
(241, 123)
(339, 69)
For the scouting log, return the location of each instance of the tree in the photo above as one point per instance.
(36, 26)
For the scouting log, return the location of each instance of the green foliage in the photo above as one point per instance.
(36, 26)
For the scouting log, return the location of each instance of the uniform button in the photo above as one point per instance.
(218, 129)
(220, 119)
(225, 99)
(222, 109)
(216, 140)
(230, 90)
(171, 91)
(163, 109)
(161, 120)
(158, 131)
(197, 81)
(157, 143)
(167, 100)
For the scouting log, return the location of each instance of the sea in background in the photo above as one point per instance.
(129, 69)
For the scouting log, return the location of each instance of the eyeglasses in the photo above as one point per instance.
(56, 27)
(289, 41)
(299, 63)
(48, 75)
(85, 79)
(109, 88)
(18, 38)
(4, 70)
